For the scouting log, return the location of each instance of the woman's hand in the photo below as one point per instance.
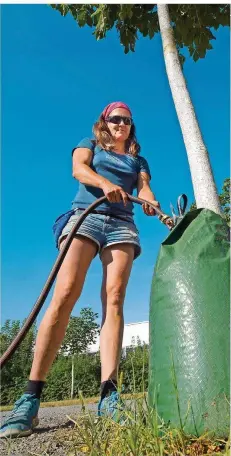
(148, 210)
(113, 192)
(169, 223)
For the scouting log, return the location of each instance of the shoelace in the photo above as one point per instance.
(21, 406)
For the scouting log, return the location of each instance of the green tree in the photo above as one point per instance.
(180, 26)
(81, 332)
(134, 366)
(224, 198)
(192, 24)
(16, 371)
(86, 377)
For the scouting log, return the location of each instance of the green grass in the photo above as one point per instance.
(143, 434)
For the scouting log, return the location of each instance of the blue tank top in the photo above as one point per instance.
(119, 169)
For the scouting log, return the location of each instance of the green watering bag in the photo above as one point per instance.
(189, 326)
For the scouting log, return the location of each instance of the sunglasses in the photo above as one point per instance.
(118, 119)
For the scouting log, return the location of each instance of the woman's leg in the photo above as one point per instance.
(117, 263)
(69, 284)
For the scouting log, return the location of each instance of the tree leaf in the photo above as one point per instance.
(193, 24)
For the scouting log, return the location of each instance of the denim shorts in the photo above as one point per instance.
(105, 230)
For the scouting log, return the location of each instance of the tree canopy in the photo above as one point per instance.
(81, 332)
(192, 23)
(15, 372)
(224, 198)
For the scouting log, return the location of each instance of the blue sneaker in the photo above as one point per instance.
(23, 418)
(112, 406)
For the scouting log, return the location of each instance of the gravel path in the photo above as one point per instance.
(46, 437)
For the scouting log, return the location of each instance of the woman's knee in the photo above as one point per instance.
(64, 298)
(115, 299)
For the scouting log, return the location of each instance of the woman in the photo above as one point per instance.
(108, 166)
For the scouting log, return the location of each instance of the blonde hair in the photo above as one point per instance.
(105, 139)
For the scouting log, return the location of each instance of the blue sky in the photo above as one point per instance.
(56, 79)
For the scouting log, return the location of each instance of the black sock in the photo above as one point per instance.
(35, 387)
(107, 387)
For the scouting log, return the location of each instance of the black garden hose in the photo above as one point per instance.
(51, 278)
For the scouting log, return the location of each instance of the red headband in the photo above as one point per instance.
(109, 108)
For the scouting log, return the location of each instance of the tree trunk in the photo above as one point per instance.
(204, 186)
(72, 376)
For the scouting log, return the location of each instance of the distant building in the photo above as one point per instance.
(133, 332)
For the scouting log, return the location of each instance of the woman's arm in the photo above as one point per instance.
(83, 173)
(144, 191)
(81, 168)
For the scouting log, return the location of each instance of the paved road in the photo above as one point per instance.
(45, 440)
